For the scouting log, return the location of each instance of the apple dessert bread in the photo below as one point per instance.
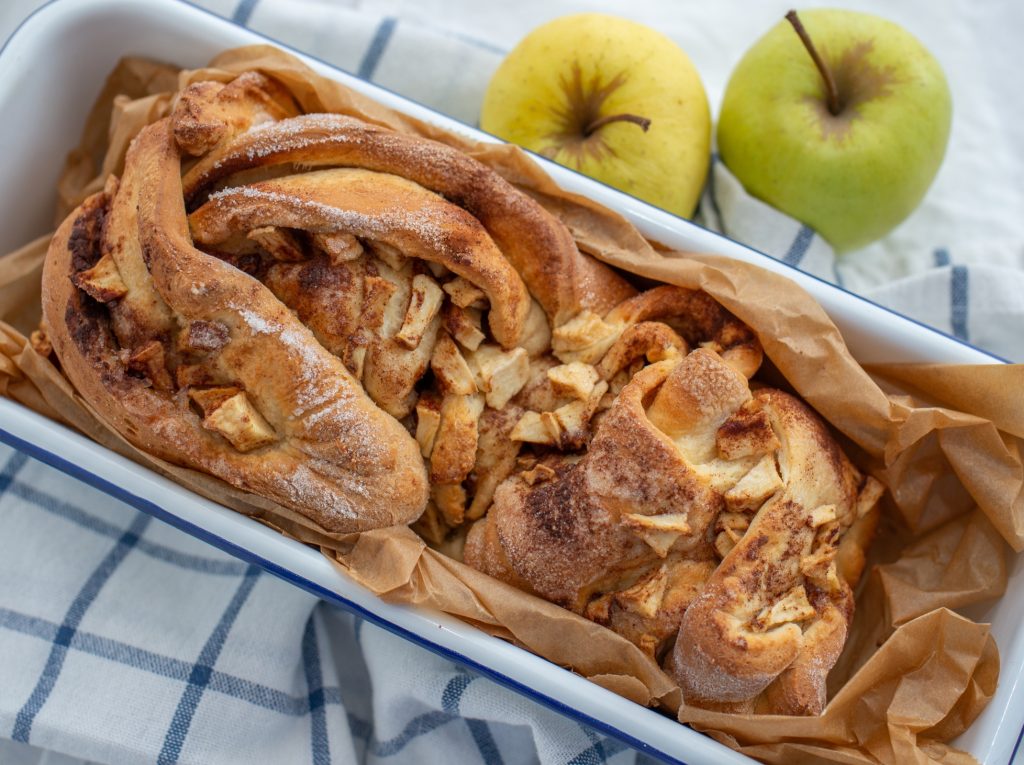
(713, 522)
(372, 328)
(276, 335)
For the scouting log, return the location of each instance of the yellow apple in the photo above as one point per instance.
(610, 98)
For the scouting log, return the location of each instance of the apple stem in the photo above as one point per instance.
(597, 124)
(834, 106)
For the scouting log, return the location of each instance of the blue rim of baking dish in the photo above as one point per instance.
(242, 553)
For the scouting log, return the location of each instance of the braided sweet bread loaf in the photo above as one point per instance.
(714, 523)
(275, 336)
(364, 326)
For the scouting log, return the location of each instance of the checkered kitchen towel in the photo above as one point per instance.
(124, 641)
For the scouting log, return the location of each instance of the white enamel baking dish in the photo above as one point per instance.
(51, 70)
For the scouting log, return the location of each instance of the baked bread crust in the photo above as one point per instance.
(773, 617)
(384, 208)
(357, 266)
(540, 248)
(331, 454)
(337, 286)
(702, 513)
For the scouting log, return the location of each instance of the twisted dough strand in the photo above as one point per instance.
(540, 249)
(323, 448)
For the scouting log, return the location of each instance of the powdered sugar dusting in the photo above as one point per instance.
(294, 134)
(257, 323)
(311, 389)
(425, 223)
(545, 257)
(338, 140)
(308, 394)
(341, 449)
(301, 487)
(306, 489)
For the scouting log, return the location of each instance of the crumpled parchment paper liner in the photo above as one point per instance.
(945, 440)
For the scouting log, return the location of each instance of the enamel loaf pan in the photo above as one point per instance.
(51, 70)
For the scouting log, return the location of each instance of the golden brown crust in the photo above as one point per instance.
(570, 537)
(208, 113)
(686, 467)
(540, 248)
(335, 277)
(371, 263)
(378, 207)
(699, 319)
(775, 607)
(335, 457)
(654, 322)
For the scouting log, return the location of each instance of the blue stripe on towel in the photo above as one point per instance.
(598, 752)
(360, 728)
(712, 195)
(416, 727)
(836, 275)
(66, 631)
(14, 464)
(373, 54)
(80, 517)
(453, 691)
(166, 666)
(799, 247)
(941, 256)
(478, 729)
(244, 11)
(958, 298)
(314, 684)
(199, 677)
(481, 733)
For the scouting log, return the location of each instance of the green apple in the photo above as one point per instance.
(611, 98)
(851, 158)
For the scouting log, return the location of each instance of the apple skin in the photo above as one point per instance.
(851, 177)
(575, 69)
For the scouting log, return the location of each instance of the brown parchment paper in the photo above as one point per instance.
(945, 440)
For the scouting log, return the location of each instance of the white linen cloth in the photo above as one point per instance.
(124, 641)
